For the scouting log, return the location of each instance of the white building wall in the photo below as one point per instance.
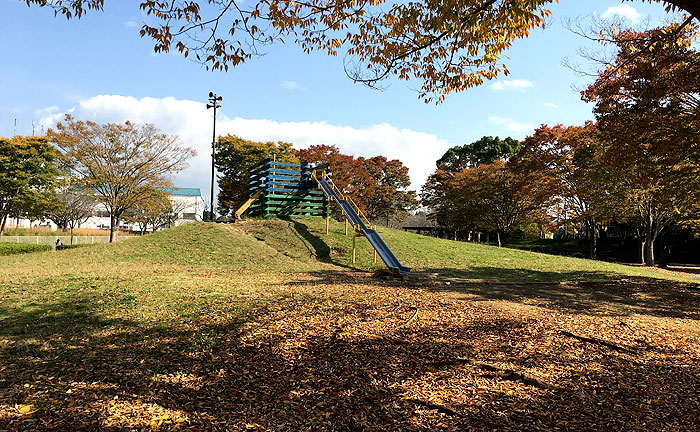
(189, 208)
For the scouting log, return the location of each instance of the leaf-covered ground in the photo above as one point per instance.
(209, 328)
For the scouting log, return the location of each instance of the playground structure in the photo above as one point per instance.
(282, 189)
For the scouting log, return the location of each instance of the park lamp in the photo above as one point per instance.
(214, 100)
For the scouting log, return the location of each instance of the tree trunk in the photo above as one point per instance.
(593, 240)
(649, 249)
(2, 225)
(663, 259)
(111, 226)
(498, 237)
(71, 234)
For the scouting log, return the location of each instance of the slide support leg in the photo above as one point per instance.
(353, 249)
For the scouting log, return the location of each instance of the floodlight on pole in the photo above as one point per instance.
(214, 100)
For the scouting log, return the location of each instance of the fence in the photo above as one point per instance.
(65, 239)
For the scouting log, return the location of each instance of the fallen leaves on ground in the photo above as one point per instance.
(334, 353)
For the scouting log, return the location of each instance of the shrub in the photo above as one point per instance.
(18, 248)
(70, 246)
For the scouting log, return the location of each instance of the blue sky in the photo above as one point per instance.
(98, 68)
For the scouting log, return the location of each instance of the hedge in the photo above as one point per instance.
(18, 248)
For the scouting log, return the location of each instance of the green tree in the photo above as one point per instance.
(484, 151)
(27, 175)
(234, 157)
(119, 164)
(448, 46)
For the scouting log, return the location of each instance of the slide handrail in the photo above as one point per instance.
(342, 196)
(360, 222)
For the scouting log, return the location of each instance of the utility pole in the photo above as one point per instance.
(214, 100)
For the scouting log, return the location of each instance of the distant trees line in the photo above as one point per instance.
(636, 165)
(62, 176)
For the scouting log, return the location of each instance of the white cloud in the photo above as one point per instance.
(552, 105)
(131, 24)
(518, 84)
(46, 111)
(292, 85)
(624, 10)
(510, 125)
(193, 122)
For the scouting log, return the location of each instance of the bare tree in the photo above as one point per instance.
(75, 206)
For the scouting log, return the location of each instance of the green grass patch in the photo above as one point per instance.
(21, 248)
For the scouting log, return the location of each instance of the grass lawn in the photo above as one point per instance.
(266, 325)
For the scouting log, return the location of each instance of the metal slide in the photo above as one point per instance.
(359, 224)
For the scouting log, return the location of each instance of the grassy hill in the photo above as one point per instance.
(265, 325)
(305, 240)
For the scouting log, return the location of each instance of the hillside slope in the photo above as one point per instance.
(305, 239)
(273, 246)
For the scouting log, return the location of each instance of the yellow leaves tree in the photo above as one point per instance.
(447, 45)
(154, 210)
(119, 165)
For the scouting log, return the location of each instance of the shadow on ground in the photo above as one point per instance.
(75, 370)
(316, 246)
(573, 292)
